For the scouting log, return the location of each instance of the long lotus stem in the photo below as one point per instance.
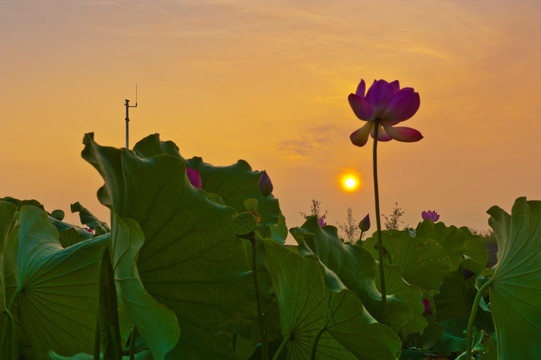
(132, 342)
(7, 340)
(316, 340)
(281, 348)
(469, 330)
(97, 339)
(378, 224)
(262, 332)
(264, 232)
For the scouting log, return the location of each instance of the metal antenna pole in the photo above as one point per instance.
(128, 106)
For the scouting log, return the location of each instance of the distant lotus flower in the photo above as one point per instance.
(364, 225)
(431, 215)
(194, 177)
(89, 230)
(388, 104)
(265, 184)
(428, 307)
(321, 222)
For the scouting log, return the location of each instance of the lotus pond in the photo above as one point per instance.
(192, 264)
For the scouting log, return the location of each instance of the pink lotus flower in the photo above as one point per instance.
(388, 104)
(321, 222)
(431, 215)
(194, 177)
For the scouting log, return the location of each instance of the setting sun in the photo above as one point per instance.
(350, 182)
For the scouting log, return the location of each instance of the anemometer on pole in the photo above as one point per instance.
(128, 106)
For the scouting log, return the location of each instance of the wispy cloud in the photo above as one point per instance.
(313, 142)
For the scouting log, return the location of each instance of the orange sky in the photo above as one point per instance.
(268, 82)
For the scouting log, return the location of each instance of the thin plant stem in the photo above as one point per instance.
(469, 330)
(281, 348)
(97, 338)
(264, 343)
(265, 217)
(132, 342)
(316, 340)
(8, 338)
(378, 224)
(17, 291)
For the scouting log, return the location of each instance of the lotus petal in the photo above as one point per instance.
(361, 107)
(379, 96)
(360, 136)
(404, 134)
(402, 106)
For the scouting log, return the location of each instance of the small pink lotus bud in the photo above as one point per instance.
(364, 225)
(265, 184)
(194, 177)
(427, 305)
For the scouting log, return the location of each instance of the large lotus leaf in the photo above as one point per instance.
(21, 203)
(348, 322)
(515, 294)
(354, 266)
(143, 355)
(299, 286)
(70, 234)
(457, 242)
(7, 212)
(57, 288)
(312, 298)
(410, 294)
(89, 219)
(456, 296)
(180, 245)
(423, 262)
(234, 183)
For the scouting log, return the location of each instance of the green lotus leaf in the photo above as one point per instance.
(311, 298)
(57, 288)
(515, 293)
(21, 203)
(7, 213)
(410, 294)
(348, 322)
(174, 244)
(424, 262)
(354, 266)
(89, 219)
(235, 184)
(7, 222)
(71, 234)
(143, 355)
(455, 299)
(457, 242)
(456, 296)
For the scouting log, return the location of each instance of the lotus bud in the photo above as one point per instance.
(194, 177)
(364, 225)
(428, 307)
(265, 184)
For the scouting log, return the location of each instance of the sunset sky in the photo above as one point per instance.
(267, 81)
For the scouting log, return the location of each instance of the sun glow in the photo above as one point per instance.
(350, 182)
